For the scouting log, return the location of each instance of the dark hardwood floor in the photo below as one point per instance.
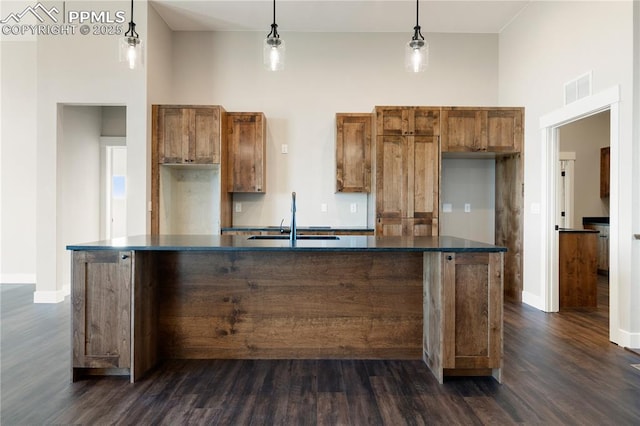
(559, 369)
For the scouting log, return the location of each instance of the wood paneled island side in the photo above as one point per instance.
(142, 299)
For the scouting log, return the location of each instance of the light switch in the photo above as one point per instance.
(467, 208)
(354, 207)
(284, 148)
(323, 207)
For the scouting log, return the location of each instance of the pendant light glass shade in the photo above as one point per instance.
(273, 50)
(273, 53)
(131, 46)
(131, 52)
(416, 56)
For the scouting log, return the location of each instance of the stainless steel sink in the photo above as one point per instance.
(299, 237)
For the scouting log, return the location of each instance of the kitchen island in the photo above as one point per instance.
(142, 299)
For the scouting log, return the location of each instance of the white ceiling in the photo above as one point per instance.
(444, 16)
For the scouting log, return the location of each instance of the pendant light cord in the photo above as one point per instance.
(132, 26)
(274, 26)
(417, 34)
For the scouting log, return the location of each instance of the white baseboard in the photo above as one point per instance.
(48, 296)
(533, 300)
(629, 340)
(18, 279)
(634, 341)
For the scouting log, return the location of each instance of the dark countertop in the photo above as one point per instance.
(242, 243)
(596, 220)
(299, 228)
(581, 231)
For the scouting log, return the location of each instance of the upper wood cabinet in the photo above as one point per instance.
(189, 135)
(353, 152)
(471, 129)
(101, 297)
(193, 136)
(407, 121)
(246, 133)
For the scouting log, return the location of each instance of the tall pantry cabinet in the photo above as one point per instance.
(189, 170)
(407, 162)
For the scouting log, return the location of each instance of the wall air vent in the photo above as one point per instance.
(577, 88)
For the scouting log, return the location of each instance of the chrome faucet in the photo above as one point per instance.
(292, 231)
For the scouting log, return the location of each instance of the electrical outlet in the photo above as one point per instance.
(354, 207)
(238, 207)
(447, 208)
(284, 148)
(323, 207)
(467, 208)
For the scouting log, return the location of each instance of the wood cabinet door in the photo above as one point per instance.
(407, 176)
(204, 136)
(247, 152)
(505, 131)
(498, 130)
(188, 135)
(353, 152)
(423, 172)
(173, 135)
(391, 178)
(463, 130)
(472, 310)
(390, 121)
(407, 121)
(101, 300)
(424, 121)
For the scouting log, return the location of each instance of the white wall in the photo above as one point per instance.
(85, 70)
(78, 191)
(469, 181)
(324, 74)
(18, 95)
(585, 137)
(548, 44)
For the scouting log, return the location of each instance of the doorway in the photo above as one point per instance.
(90, 178)
(550, 126)
(580, 144)
(113, 188)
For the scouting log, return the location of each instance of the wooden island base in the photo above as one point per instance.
(443, 307)
(289, 305)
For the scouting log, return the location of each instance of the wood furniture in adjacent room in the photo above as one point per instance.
(578, 284)
(605, 164)
(600, 224)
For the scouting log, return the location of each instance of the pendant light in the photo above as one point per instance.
(273, 52)
(416, 56)
(131, 46)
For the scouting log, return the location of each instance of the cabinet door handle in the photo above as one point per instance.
(449, 257)
(124, 257)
